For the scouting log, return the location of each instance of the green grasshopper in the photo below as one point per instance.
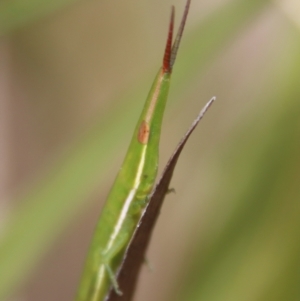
(133, 184)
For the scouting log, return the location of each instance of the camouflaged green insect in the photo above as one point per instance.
(129, 194)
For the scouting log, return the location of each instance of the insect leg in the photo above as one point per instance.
(113, 279)
(118, 245)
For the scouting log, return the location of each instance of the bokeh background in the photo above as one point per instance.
(73, 79)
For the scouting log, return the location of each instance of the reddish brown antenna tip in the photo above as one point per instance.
(171, 51)
(167, 56)
(179, 34)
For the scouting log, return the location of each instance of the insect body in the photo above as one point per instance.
(134, 182)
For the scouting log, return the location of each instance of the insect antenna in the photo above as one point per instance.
(167, 56)
(179, 35)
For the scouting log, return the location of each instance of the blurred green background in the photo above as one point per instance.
(73, 79)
